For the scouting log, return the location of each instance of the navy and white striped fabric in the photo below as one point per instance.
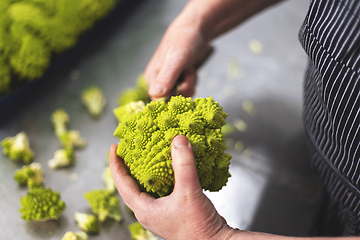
(331, 37)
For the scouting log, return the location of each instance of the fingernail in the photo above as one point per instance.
(156, 90)
(180, 142)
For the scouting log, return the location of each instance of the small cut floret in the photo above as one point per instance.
(87, 222)
(18, 148)
(30, 175)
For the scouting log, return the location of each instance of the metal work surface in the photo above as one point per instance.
(272, 188)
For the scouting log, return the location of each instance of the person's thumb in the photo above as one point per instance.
(183, 163)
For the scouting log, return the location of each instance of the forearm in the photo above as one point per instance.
(214, 17)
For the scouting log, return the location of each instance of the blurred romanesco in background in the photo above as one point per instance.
(108, 179)
(80, 235)
(145, 140)
(94, 100)
(87, 222)
(41, 204)
(18, 148)
(138, 232)
(62, 158)
(138, 93)
(68, 138)
(32, 32)
(30, 175)
(104, 204)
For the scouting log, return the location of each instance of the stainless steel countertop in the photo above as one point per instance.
(272, 188)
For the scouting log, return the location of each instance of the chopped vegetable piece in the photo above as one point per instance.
(30, 175)
(18, 148)
(87, 222)
(62, 158)
(94, 100)
(104, 204)
(80, 235)
(108, 180)
(138, 232)
(41, 204)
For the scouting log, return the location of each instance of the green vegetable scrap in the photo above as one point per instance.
(228, 129)
(145, 140)
(138, 93)
(60, 120)
(72, 139)
(87, 222)
(104, 204)
(18, 148)
(138, 232)
(94, 100)
(41, 204)
(32, 32)
(108, 180)
(68, 138)
(124, 112)
(30, 175)
(62, 158)
(80, 235)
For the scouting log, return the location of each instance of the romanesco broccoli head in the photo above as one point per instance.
(145, 142)
(18, 148)
(32, 58)
(30, 175)
(104, 204)
(41, 204)
(94, 100)
(138, 93)
(32, 30)
(80, 235)
(138, 232)
(62, 158)
(87, 222)
(123, 112)
(108, 179)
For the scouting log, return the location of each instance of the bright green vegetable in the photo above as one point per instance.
(41, 204)
(228, 129)
(68, 138)
(104, 204)
(62, 158)
(145, 140)
(108, 180)
(94, 100)
(30, 175)
(31, 31)
(18, 148)
(87, 222)
(138, 93)
(32, 58)
(80, 235)
(60, 120)
(138, 232)
(72, 139)
(123, 112)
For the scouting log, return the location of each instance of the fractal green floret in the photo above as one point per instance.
(30, 175)
(104, 204)
(18, 148)
(41, 204)
(146, 136)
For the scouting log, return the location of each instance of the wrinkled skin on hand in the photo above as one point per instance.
(186, 213)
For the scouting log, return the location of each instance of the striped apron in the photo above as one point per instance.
(331, 37)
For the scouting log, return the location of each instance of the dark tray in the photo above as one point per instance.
(11, 102)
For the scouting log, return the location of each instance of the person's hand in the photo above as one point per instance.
(186, 213)
(180, 50)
